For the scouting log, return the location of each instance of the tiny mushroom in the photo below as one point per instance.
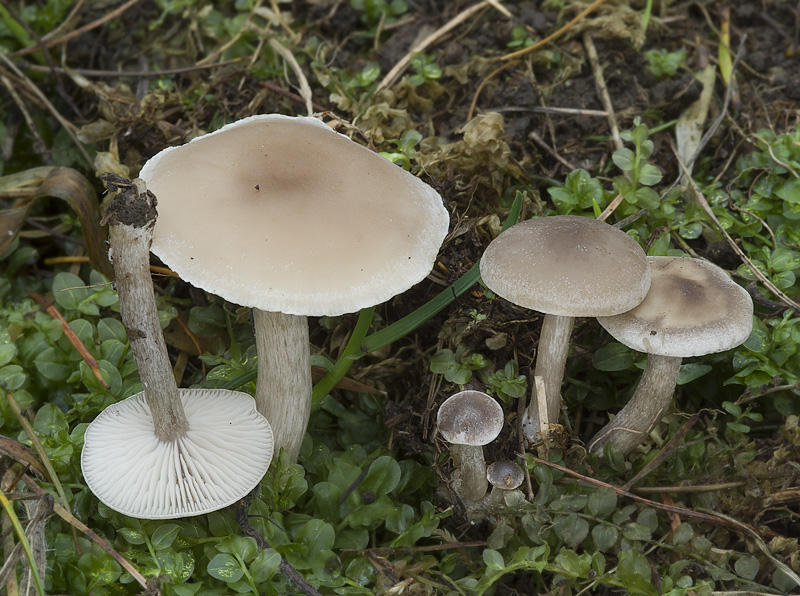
(469, 420)
(504, 476)
(693, 308)
(166, 452)
(564, 266)
(286, 216)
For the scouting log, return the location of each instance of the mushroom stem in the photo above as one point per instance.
(283, 389)
(132, 216)
(550, 363)
(472, 466)
(644, 410)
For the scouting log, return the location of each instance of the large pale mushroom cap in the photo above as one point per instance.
(284, 214)
(693, 308)
(224, 455)
(470, 418)
(567, 265)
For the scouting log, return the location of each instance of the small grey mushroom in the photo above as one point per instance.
(504, 476)
(469, 420)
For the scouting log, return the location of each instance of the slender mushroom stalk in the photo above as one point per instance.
(693, 308)
(131, 224)
(551, 361)
(472, 469)
(645, 409)
(283, 389)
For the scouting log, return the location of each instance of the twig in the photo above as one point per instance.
(762, 547)
(305, 88)
(72, 34)
(68, 126)
(665, 452)
(555, 35)
(602, 89)
(293, 96)
(697, 488)
(399, 68)
(88, 72)
(386, 550)
(541, 142)
(284, 567)
(71, 336)
(708, 517)
(67, 516)
(488, 78)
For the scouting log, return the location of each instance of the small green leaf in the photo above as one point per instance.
(604, 537)
(614, 356)
(132, 536)
(224, 567)
(691, 371)
(571, 529)
(602, 502)
(69, 290)
(746, 567)
(493, 559)
(624, 159)
(164, 536)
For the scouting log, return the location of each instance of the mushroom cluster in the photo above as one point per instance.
(564, 267)
(469, 420)
(285, 215)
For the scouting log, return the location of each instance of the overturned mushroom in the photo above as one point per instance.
(693, 308)
(166, 452)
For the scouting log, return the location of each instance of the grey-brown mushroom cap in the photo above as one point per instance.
(284, 214)
(222, 457)
(505, 474)
(693, 308)
(567, 265)
(470, 418)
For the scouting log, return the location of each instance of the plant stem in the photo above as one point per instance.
(283, 389)
(132, 216)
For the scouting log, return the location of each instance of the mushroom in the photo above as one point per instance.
(166, 452)
(286, 216)
(469, 420)
(564, 266)
(504, 476)
(693, 308)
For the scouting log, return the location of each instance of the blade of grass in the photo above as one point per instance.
(353, 347)
(37, 445)
(23, 540)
